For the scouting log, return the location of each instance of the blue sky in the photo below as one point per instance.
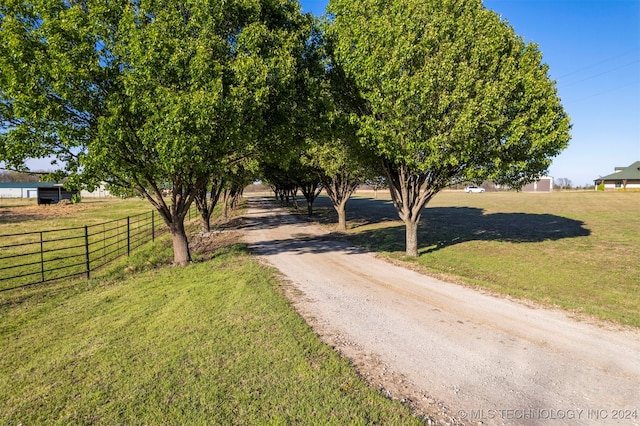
(593, 50)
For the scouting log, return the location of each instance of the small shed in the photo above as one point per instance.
(53, 194)
(544, 184)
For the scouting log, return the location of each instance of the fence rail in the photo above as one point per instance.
(37, 257)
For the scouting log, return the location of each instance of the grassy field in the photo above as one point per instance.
(216, 342)
(574, 250)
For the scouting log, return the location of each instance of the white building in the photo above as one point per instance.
(99, 192)
(544, 184)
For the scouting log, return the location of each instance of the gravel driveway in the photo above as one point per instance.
(454, 354)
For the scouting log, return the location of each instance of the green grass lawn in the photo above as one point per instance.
(574, 250)
(215, 342)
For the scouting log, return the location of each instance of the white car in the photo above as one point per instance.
(473, 188)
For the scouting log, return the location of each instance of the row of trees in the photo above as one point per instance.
(204, 96)
(11, 176)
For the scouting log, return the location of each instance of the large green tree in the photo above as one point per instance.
(53, 82)
(333, 146)
(146, 94)
(453, 95)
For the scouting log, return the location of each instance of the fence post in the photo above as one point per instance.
(153, 225)
(41, 258)
(128, 236)
(86, 250)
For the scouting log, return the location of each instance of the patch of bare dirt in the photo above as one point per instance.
(206, 243)
(42, 211)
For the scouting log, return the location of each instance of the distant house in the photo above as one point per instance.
(623, 178)
(44, 192)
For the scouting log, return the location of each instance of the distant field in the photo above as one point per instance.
(575, 250)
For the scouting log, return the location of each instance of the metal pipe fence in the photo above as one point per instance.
(38, 257)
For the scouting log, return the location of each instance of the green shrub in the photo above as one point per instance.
(76, 198)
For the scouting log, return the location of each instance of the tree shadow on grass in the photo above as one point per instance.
(10, 216)
(442, 227)
(445, 226)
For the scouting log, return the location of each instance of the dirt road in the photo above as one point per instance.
(455, 354)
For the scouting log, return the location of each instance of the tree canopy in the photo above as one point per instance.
(160, 95)
(453, 94)
(148, 94)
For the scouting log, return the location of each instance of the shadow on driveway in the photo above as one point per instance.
(300, 241)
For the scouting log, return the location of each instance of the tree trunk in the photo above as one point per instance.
(173, 214)
(202, 206)
(410, 194)
(339, 188)
(342, 216)
(205, 223)
(411, 228)
(181, 253)
(205, 205)
(294, 199)
(310, 190)
(227, 195)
